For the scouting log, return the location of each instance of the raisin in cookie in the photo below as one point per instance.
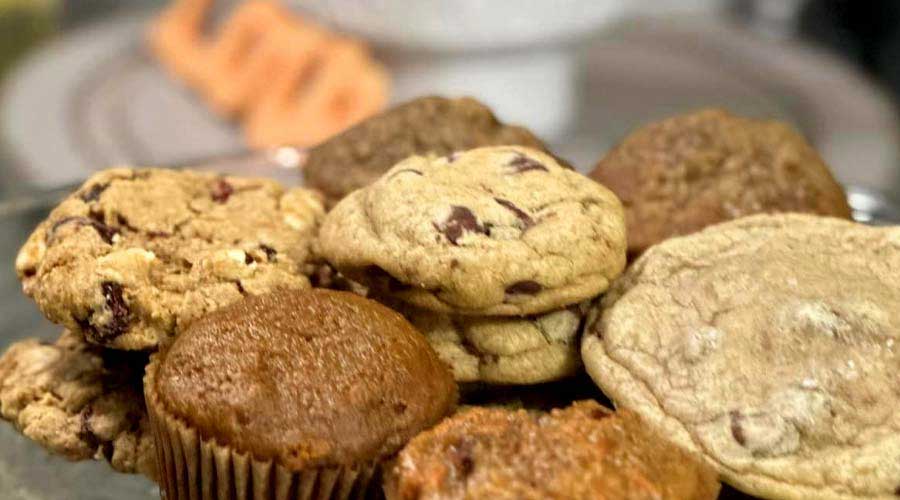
(492, 231)
(503, 350)
(436, 125)
(772, 345)
(581, 452)
(682, 174)
(79, 401)
(135, 254)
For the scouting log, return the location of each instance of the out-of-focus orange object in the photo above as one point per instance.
(287, 80)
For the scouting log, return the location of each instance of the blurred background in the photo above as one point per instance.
(79, 89)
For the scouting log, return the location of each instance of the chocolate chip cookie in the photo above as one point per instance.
(79, 401)
(436, 125)
(503, 350)
(136, 254)
(584, 451)
(492, 231)
(682, 174)
(772, 345)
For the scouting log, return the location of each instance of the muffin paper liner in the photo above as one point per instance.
(193, 468)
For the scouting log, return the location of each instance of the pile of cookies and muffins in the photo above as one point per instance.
(362, 336)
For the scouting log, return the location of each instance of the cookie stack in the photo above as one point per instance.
(490, 252)
(124, 264)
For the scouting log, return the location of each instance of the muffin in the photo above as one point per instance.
(682, 174)
(291, 393)
(582, 452)
(427, 125)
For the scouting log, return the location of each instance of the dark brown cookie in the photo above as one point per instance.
(437, 125)
(682, 174)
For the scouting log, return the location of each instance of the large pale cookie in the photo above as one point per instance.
(771, 344)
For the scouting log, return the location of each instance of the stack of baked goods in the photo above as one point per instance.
(752, 338)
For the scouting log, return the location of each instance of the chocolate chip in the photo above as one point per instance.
(526, 287)
(461, 458)
(107, 450)
(86, 432)
(93, 193)
(897, 491)
(526, 219)
(119, 312)
(383, 280)
(106, 233)
(29, 273)
(461, 219)
(240, 288)
(736, 429)
(399, 408)
(221, 191)
(124, 223)
(600, 413)
(270, 252)
(522, 163)
(158, 234)
(248, 259)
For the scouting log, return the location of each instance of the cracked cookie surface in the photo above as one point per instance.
(135, 254)
(503, 350)
(491, 231)
(682, 174)
(427, 125)
(771, 344)
(584, 451)
(79, 401)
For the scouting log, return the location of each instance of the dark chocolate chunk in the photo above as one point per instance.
(106, 233)
(86, 432)
(737, 430)
(119, 312)
(526, 219)
(270, 252)
(526, 287)
(461, 458)
(107, 450)
(221, 191)
(381, 279)
(93, 193)
(522, 163)
(248, 259)
(240, 288)
(124, 223)
(600, 413)
(461, 219)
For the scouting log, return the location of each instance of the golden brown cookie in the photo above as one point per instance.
(502, 230)
(771, 344)
(135, 254)
(682, 174)
(582, 452)
(79, 401)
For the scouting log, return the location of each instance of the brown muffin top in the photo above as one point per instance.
(436, 125)
(584, 451)
(311, 378)
(682, 174)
